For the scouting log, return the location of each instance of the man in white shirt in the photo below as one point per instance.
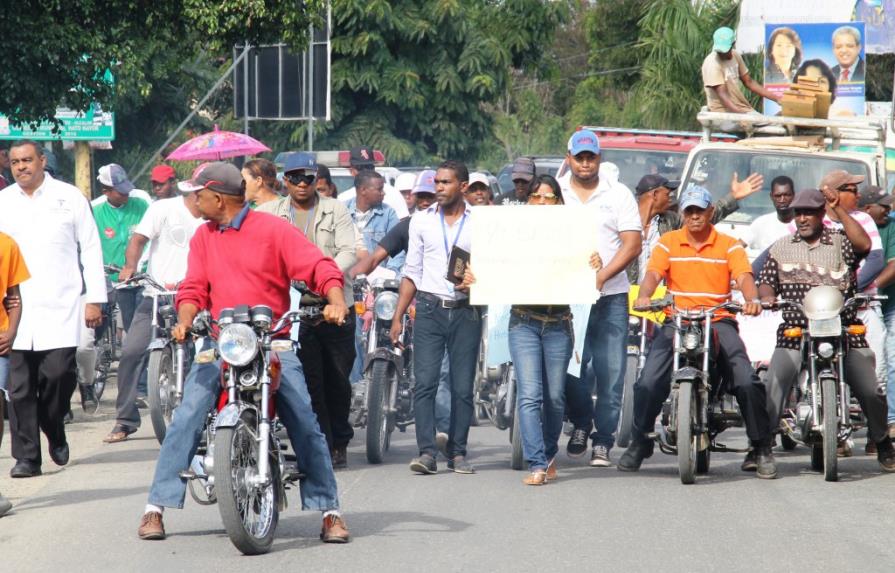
(444, 319)
(168, 225)
(619, 229)
(766, 229)
(49, 220)
(362, 160)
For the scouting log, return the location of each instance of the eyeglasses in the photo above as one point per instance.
(542, 196)
(299, 178)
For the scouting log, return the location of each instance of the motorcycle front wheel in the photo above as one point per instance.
(160, 390)
(686, 440)
(250, 513)
(626, 417)
(830, 429)
(378, 427)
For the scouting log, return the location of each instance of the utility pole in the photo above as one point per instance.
(83, 170)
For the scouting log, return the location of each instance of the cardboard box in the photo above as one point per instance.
(794, 105)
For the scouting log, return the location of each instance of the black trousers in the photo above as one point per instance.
(327, 353)
(41, 383)
(654, 385)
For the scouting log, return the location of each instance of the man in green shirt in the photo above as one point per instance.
(878, 204)
(116, 220)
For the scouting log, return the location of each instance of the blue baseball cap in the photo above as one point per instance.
(584, 140)
(300, 160)
(695, 196)
(723, 39)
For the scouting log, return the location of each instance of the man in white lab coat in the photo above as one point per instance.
(49, 220)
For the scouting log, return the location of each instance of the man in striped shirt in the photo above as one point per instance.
(698, 264)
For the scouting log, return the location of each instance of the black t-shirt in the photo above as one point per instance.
(397, 240)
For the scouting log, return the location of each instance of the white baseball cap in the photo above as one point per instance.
(405, 182)
(479, 177)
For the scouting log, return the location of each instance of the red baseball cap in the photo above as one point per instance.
(162, 173)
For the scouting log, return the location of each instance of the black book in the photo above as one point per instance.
(457, 265)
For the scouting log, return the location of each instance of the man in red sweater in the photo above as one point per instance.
(244, 257)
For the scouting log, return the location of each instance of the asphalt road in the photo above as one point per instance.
(84, 517)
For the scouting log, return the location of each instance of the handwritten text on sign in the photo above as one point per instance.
(533, 255)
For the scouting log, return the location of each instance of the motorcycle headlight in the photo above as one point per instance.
(691, 340)
(825, 350)
(825, 327)
(385, 304)
(238, 344)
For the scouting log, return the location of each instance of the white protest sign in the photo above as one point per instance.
(533, 255)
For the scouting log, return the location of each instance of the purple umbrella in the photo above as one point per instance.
(217, 145)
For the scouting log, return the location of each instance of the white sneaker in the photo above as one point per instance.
(599, 457)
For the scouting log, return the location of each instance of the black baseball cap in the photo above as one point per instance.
(653, 181)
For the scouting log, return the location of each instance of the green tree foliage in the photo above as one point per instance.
(676, 35)
(59, 50)
(414, 77)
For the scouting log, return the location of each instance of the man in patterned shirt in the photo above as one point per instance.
(819, 255)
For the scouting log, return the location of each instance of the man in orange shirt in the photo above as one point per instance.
(12, 272)
(698, 264)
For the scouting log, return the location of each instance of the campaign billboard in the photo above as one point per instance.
(833, 54)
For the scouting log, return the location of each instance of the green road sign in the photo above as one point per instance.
(92, 125)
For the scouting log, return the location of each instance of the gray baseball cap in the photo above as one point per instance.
(115, 177)
(221, 177)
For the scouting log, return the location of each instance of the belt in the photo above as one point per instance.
(444, 302)
(545, 318)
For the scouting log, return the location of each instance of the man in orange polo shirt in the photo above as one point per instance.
(698, 264)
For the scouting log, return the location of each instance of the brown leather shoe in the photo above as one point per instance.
(537, 477)
(334, 530)
(151, 526)
(551, 470)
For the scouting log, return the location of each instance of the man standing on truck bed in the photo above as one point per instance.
(722, 72)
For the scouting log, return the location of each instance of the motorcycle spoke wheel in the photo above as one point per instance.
(686, 438)
(250, 513)
(160, 391)
(830, 425)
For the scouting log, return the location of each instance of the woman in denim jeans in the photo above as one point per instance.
(540, 339)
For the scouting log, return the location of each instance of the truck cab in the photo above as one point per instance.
(801, 148)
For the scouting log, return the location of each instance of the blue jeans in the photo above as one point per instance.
(437, 330)
(606, 344)
(889, 319)
(541, 353)
(443, 398)
(201, 389)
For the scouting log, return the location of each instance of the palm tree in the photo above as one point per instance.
(677, 35)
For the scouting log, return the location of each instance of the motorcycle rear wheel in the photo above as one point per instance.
(160, 390)
(830, 429)
(250, 514)
(378, 427)
(626, 419)
(686, 440)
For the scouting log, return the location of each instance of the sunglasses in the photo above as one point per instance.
(299, 179)
(849, 188)
(546, 196)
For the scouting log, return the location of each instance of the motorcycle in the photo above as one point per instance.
(825, 415)
(242, 465)
(168, 359)
(388, 368)
(639, 331)
(699, 408)
(494, 397)
(108, 347)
